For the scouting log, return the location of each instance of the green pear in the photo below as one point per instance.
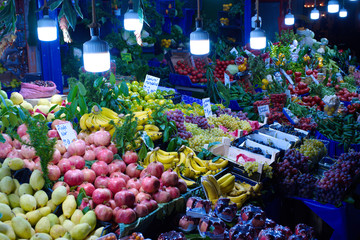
(98, 231)
(7, 230)
(22, 228)
(77, 215)
(14, 200)
(5, 171)
(7, 185)
(6, 162)
(18, 210)
(17, 186)
(62, 218)
(25, 188)
(28, 202)
(4, 237)
(57, 231)
(89, 218)
(68, 225)
(59, 195)
(41, 236)
(45, 211)
(43, 225)
(33, 217)
(4, 198)
(41, 198)
(80, 231)
(37, 180)
(53, 219)
(6, 213)
(51, 205)
(16, 164)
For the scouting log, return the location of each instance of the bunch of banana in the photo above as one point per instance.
(240, 188)
(211, 187)
(153, 132)
(100, 118)
(227, 183)
(141, 117)
(195, 167)
(168, 159)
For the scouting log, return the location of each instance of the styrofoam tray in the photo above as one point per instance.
(281, 144)
(280, 135)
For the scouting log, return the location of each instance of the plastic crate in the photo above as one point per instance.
(176, 98)
(184, 81)
(235, 106)
(185, 22)
(190, 100)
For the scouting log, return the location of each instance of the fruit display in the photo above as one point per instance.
(314, 149)
(230, 122)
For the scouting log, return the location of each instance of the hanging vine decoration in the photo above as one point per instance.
(7, 24)
(67, 16)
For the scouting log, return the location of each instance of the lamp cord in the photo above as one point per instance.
(45, 4)
(257, 10)
(198, 9)
(289, 4)
(315, 4)
(94, 24)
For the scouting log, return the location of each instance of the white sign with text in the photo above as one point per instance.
(67, 133)
(151, 84)
(226, 79)
(207, 107)
(263, 110)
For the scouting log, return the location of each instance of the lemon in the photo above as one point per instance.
(44, 102)
(56, 99)
(16, 98)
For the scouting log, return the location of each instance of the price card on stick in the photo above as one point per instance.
(234, 51)
(207, 107)
(151, 84)
(263, 110)
(226, 80)
(67, 133)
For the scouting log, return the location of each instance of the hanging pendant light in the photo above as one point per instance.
(96, 51)
(257, 36)
(199, 39)
(46, 27)
(132, 20)
(289, 17)
(333, 6)
(343, 12)
(314, 14)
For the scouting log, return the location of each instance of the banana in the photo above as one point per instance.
(228, 185)
(101, 121)
(195, 166)
(224, 178)
(201, 163)
(162, 152)
(83, 121)
(235, 192)
(89, 123)
(111, 131)
(214, 183)
(165, 159)
(139, 128)
(210, 190)
(242, 186)
(189, 183)
(153, 128)
(188, 166)
(217, 165)
(109, 113)
(154, 135)
(182, 158)
(240, 200)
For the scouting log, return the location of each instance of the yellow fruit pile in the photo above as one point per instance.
(165, 43)
(226, 7)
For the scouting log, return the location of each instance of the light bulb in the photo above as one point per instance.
(289, 19)
(314, 14)
(96, 53)
(132, 21)
(199, 42)
(257, 39)
(343, 13)
(333, 6)
(253, 21)
(47, 30)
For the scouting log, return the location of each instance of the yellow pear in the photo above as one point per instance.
(80, 231)
(4, 198)
(41, 236)
(14, 200)
(22, 228)
(7, 230)
(4, 171)
(98, 231)
(37, 180)
(59, 195)
(62, 218)
(7, 185)
(69, 206)
(25, 188)
(6, 213)
(51, 205)
(68, 225)
(44, 102)
(89, 218)
(43, 225)
(57, 231)
(56, 99)
(18, 210)
(33, 217)
(53, 219)
(16, 164)
(77, 215)
(16, 98)
(4, 237)
(26, 105)
(41, 198)
(28, 202)
(17, 186)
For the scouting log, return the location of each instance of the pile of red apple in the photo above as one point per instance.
(119, 190)
(345, 95)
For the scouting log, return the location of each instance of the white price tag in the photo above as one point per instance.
(263, 110)
(288, 93)
(151, 83)
(226, 79)
(234, 51)
(287, 76)
(314, 79)
(207, 107)
(67, 133)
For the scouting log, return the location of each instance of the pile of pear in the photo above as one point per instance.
(26, 211)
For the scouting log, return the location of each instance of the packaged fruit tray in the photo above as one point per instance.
(292, 139)
(269, 141)
(296, 132)
(254, 147)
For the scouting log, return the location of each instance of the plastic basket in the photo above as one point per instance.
(190, 100)
(176, 98)
(234, 106)
(184, 81)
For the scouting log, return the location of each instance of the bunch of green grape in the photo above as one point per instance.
(204, 136)
(252, 167)
(230, 122)
(312, 148)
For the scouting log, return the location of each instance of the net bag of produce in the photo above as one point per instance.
(30, 90)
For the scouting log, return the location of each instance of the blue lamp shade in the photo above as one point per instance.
(132, 21)
(199, 42)
(47, 30)
(333, 6)
(314, 14)
(96, 55)
(289, 19)
(343, 13)
(257, 39)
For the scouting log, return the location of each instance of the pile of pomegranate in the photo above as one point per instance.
(117, 189)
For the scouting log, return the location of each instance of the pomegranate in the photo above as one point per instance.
(66, 155)
(26, 151)
(16, 144)
(53, 134)
(173, 191)
(125, 215)
(56, 157)
(101, 181)
(64, 165)
(169, 178)
(60, 146)
(113, 148)
(101, 195)
(142, 196)
(77, 148)
(77, 161)
(98, 149)
(89, 139)
(133, 183)
(155, 169)
(74, 193)
(150, 203)
(89, 155)
(124, 197)
(105, 155)
(14, 153)
(26, 138)
(102, 138)
(112, 204)
(29, 164)
(74, 177)
(141, 210)
(58, 184)
(88, 187)
(54, 172)
(117, 166)
(182, 186)
(150, 184)
(82, 136)
(130, 157)
(132, 171)
(21, 130)
(134, 191)
(57, 122)
(116, 184)
(100, 168)
(86, 203)
(38, 166)
(89, 175)
(103, 212)
(161, 196)
(121, 175)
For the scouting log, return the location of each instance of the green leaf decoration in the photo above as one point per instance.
(77, 9)
(2, 139)
(213, 144)
(54, 4)
(215, 159)
(73, 93)
(124, 89)
(70, 13)
(142, 152)
(112, 78)
(82, 89)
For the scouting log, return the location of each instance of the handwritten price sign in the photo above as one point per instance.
(207, 107)
(263, 110)
(151, 84)
(67, 133)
